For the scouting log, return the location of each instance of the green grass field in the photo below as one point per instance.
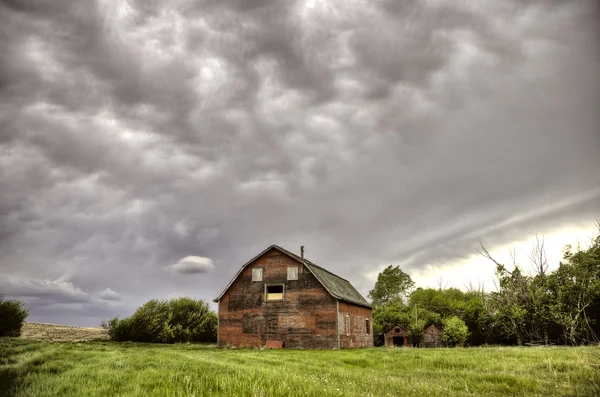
(33, 368)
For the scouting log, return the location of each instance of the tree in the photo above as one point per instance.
(549, 306)
(392, 285)
(477, 317)
(455, 332)
(575, 292)
(510, 302)
(176, 320)
(446, 302)
(12, 317)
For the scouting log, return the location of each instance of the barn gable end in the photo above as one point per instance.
(280, 297)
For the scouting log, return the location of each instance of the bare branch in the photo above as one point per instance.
(538, 258)
(441, 285)
(469, 286)
(485, 253)
(513, 258)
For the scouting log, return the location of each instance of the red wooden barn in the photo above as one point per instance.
(283, 300)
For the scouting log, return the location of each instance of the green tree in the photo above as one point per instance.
(176, 320)
(477, 317)
(575, 291)
(392, 285)
(12, 317)
(455, 332)
(445, 302)
(560, 306)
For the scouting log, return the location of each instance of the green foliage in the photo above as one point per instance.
(12, 317)
(478, 319)
(160, 321)
(455, 332)
(415, 331)
(445, 302)
(396, 313)
(511, 302)
(393, 285)
(575, 292)
(561, 306)
(31, 368)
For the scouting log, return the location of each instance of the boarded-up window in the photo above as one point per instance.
(347, 324)
(292, 273)
(257, 274)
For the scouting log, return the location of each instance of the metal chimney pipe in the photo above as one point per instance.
(302, 252)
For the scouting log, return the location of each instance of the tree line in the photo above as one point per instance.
(543, 306)
(560, 306)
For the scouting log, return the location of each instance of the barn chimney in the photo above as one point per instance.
(302, 252)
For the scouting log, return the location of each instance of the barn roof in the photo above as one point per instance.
(337, 286)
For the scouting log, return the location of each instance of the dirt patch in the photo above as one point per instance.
(61, 333)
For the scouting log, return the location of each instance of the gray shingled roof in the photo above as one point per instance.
(337, 287)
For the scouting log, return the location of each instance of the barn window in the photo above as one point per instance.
(274, 292)
(257, 274)
(397, 329)
(347, 325)
(292, 273)
(367, 323)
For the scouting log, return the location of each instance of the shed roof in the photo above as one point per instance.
(396, 326)
(337, 286)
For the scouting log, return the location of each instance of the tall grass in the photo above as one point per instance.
(29, 368)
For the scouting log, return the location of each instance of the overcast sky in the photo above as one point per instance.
(148, 149)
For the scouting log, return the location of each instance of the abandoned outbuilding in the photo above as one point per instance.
(280, 299)
(432, 336)
(397, 336)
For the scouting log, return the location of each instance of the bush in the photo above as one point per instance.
(12, 317)
(455, 332)
(160, 321)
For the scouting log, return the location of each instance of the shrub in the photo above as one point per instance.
(12, 317)
(416, 332)
(160, 321)
(455, 332)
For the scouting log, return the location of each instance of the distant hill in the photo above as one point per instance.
(61, 333)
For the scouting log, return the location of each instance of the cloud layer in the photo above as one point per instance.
(137, 133)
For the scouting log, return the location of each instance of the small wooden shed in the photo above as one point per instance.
(397, 336)
(432, 336)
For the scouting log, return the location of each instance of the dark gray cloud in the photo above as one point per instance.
(134, 134)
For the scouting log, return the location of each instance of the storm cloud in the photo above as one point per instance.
(135, 135)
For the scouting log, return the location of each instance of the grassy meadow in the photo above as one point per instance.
(101, 368)
(61, 333)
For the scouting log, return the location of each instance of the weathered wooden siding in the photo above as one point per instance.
(401, 333)
(352, 325)
(306, 318)
(432, 337)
